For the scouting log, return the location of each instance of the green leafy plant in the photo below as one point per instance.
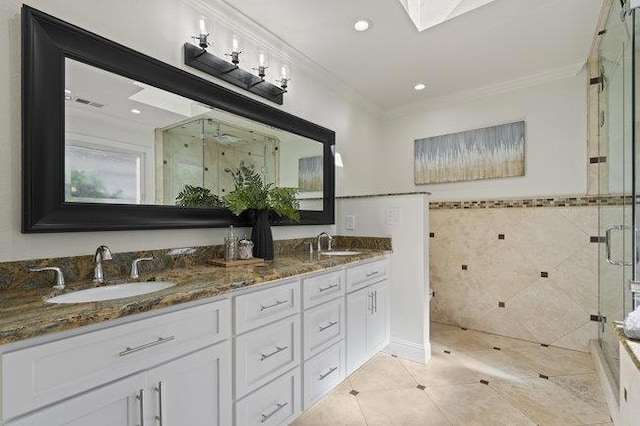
(251, 193)
(197, 196)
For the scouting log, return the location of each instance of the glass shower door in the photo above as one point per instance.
(616, 57)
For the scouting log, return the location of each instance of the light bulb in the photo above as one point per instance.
(235, 45)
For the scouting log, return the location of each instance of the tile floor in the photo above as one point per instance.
(473, 378)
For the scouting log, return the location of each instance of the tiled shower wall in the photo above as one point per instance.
(529, 273)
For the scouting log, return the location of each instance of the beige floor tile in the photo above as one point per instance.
(400, 407)
(546, 403)
(495, 365)
(552, 361)
(457, 339)
(442, 369)
(476, 404)
(382, 372)
(584, 386)
(334, 409)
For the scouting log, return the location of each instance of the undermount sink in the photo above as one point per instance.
(111, 292)
(339, 253)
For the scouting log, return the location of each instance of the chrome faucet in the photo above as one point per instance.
(134, 267)
(330, 238)
(102, 253)
(59, 276)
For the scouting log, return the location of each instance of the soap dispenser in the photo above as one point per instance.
(230, 246)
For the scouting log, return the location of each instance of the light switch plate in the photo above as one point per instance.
(394, 216)
(350, 222)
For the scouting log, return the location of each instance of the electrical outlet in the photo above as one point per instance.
(350, 222)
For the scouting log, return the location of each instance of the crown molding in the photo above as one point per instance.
(485, 91)
(256, 34)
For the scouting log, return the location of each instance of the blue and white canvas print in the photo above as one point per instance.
(488, 153)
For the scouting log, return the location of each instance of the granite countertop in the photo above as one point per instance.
(25, 314)
(632, 346)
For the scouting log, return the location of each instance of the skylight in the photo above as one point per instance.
(429, 13)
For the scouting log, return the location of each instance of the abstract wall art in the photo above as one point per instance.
(488, 153)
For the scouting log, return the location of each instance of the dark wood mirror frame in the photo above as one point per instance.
(46, 42)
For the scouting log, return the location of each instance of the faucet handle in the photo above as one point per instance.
(59, 275)
(310, 246)
(134, 266)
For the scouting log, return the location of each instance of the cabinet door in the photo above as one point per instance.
(358, 309)
(378, 320)
(117, 404)
(193, 390)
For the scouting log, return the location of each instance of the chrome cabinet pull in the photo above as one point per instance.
(370, 307)
(160, 416)
(375, 301)
(328, 288)
(266, 417)
(370, 274)
(328, 373)
(160, 341)
(278, 350)
(331, 324)
(140, 398)
(278, 303)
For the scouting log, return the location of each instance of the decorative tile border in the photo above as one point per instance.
(614, 200)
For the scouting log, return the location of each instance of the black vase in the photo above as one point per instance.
(261, 235)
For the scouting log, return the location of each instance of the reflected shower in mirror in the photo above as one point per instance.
(127, 142)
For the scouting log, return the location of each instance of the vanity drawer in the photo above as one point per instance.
(322, 288)
(324, 325)
(264, 354)
(363, 275)
(323, 373)
(50, 372)
(264, 306)
(278, 403)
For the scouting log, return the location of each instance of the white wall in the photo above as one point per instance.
(555, 147)
(157, 28)
(409, 263)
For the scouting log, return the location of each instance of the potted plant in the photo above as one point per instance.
(252, 194)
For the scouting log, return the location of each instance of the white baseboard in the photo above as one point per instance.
(409, 350)
(606, 380)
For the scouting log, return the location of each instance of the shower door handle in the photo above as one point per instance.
(608, 244)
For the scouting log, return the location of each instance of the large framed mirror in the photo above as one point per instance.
(116, 140)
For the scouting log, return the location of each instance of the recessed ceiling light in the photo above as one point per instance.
(135, 111)
(419, 86)
(362, 25)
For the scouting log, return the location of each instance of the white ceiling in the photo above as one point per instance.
(501, 41)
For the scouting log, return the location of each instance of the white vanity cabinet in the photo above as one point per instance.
(367, 312)
(629, 389)
(193, 390)
(174, 355)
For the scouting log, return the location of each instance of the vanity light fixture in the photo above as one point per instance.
(202, 25)
(236, 50)
(285, 77)
(419, 86)
(262, 62)
(196, 56)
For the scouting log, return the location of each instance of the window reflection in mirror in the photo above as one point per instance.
(131, 143)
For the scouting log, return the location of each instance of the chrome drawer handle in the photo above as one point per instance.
(278, 350)
(328, 373)
(331, 324)
(370, 274)
(266, 417)
(278, 303)
(160, 341)
(140, 398)
(328, 288)
(160, 416)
